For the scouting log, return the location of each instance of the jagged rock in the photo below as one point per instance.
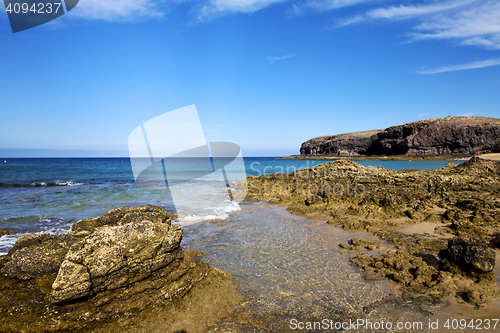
(39, 255)
(469, 254)
(402, 267)
(36, 255)
(416, 275)
(378, 199)
(4, 232)
(114, 257)
(450, 135)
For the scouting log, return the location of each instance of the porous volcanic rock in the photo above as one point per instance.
(469, 255)
(121, 216)
(450, 135)
(415, 275)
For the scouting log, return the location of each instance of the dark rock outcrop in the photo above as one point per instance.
(450, 135)
(469, 255)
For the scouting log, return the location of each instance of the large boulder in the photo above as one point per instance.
(112, 273)
(469, 255)
(41, 255)
(114, 257)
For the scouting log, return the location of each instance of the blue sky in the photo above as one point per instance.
(265, 74)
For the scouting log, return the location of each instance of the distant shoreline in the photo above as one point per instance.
(462, 157)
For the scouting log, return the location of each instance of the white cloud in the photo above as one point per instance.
(403, 12)
(471, 65)
(467, 22)
(272, 60)
(409, 11)
(323, 5)
(349, 21)
(474, 25)
(217, 7)
(118, 10)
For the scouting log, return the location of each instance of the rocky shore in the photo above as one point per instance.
(453, 136)
(123, 271)
(461, 203)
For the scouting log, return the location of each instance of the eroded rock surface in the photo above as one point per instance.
(416, 275)
(114, 257)
(36, 255)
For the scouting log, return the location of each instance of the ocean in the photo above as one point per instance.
(47, 195)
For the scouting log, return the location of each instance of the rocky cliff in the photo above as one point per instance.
(450, 135)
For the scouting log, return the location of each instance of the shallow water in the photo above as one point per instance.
(273, 255)
(287, 270)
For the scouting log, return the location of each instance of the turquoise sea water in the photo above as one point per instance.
(50, 194)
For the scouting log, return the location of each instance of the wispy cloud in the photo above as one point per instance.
(272, 60)
(349, 21)
(323, 5)
(403, 12)
(120, 10)
(396, 12)
(477, 25)
(219, 7)
(471, 65)
(466, 22)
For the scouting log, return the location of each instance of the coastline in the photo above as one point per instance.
(461, 157)
(414, 232)
(398, 199)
